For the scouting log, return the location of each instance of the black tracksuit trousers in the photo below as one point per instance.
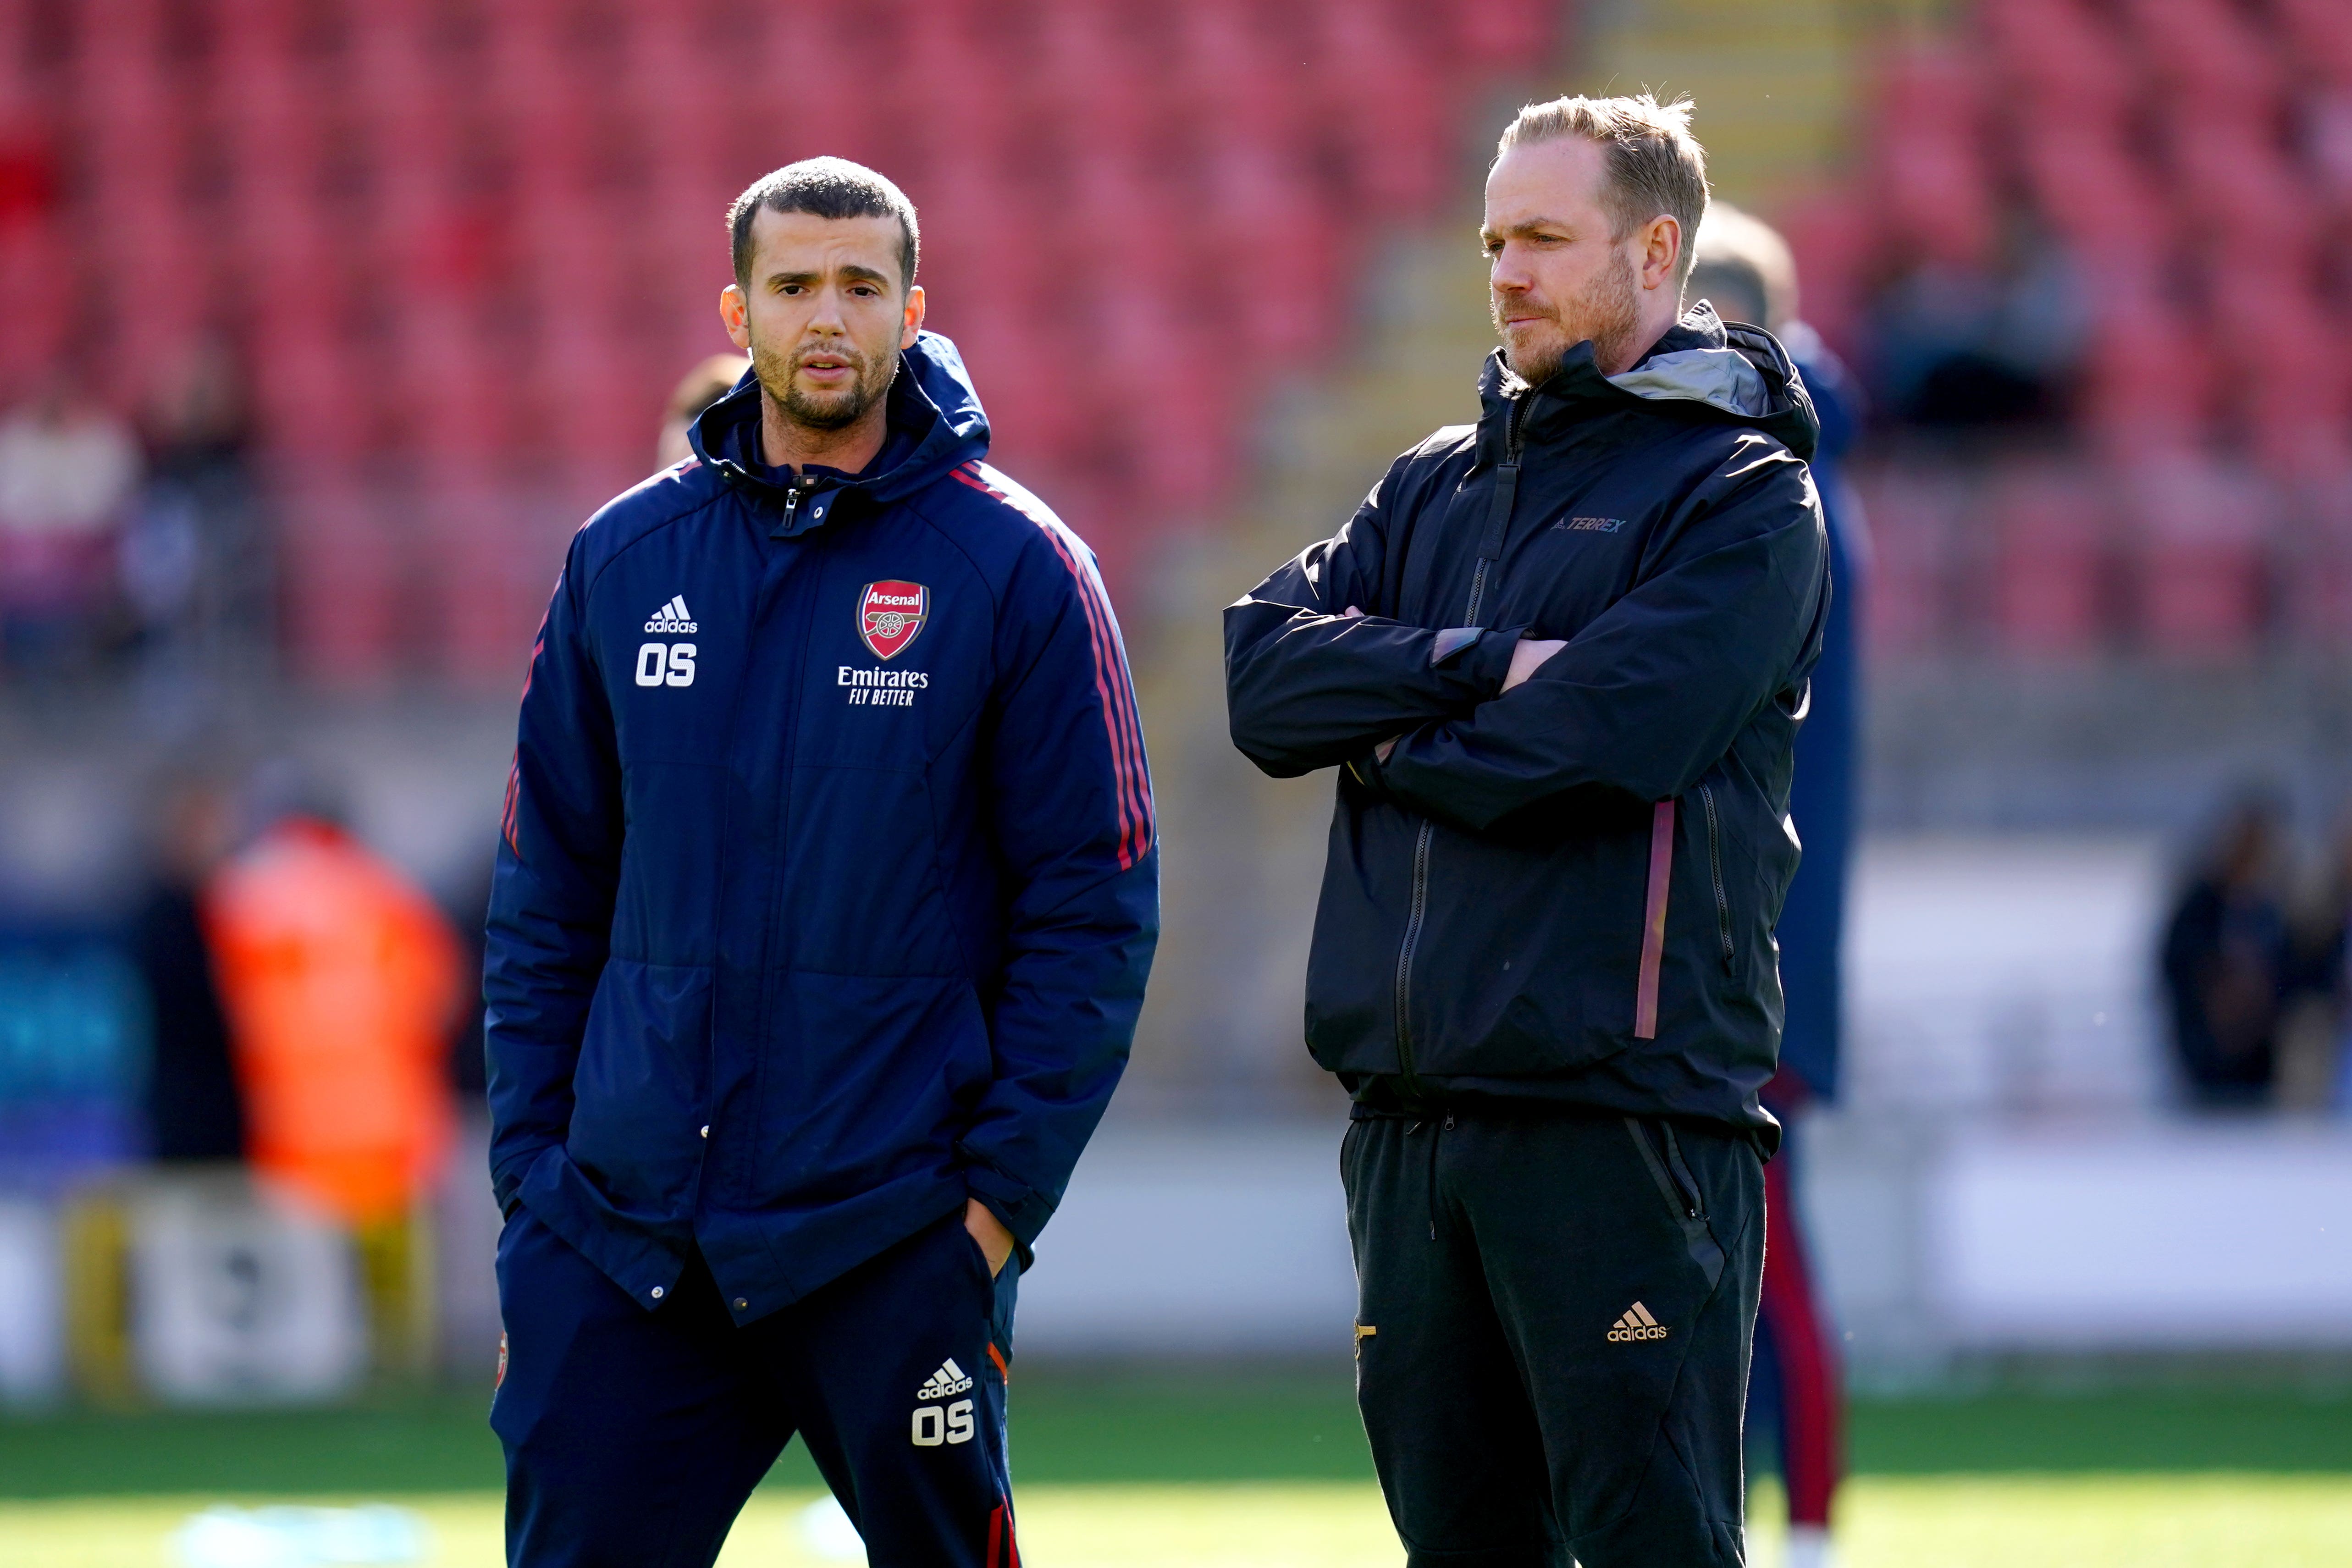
(1553, 1334)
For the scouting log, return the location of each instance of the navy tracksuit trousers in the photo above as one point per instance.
(633, 1437)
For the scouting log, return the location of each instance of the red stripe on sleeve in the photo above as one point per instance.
(1122, 721)
(514, 795)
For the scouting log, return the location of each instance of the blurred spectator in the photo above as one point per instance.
(2317, 1012)
(1796, 1392)
(1959, 348)
(194, 561)
(68, 473)
(193, 1107)
(340, 979)
(705, 385)
(2226, 961)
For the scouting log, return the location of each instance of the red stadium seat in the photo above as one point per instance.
(2317, 36)
(2315, 559)
(341, 576)
(2197, 539)
(39, 285)
(1517, 38)
(2205, 48)
(1390, 134)
(2060, 53)
(1096, 80)
(1912, 529)
(2050, 578)
(1229, 69)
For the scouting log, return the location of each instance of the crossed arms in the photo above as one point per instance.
(1470, 730)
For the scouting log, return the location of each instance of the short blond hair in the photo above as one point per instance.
(1655, 165)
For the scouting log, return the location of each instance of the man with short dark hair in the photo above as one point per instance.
(821, 923)
(1559, 658)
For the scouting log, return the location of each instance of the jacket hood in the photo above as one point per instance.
(935, 423)
(1739, 374)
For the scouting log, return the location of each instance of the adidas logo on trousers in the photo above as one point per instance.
(950, 1379)
(1637, 1325)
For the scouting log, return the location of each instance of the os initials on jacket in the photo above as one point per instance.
(828, 885)
(1566, 893)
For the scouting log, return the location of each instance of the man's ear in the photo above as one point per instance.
(1661, 253)
(735, 312)
(914, 318)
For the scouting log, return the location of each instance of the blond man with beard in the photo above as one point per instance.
(1559, 658)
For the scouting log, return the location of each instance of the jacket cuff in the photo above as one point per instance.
(506, 1176)
(1489, 662)
(1452, 641)
(1023, 1210)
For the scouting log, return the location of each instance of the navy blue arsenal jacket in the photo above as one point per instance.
(828, 885)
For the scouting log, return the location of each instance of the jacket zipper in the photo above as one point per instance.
(1506, 487)
(1715, 870)
(1405, 957)
(1506, 483)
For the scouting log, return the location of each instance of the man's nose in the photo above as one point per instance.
(828, 317)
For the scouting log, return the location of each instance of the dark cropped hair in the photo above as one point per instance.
(827, 189)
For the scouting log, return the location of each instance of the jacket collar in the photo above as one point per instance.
(1701, 369)
(935, 423)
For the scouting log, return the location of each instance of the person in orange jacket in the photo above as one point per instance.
(340, 979)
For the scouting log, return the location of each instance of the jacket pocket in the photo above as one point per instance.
(1715, 875)
(1684, 1199)
(1529, 961)
(1359, 922)
(638, 1086)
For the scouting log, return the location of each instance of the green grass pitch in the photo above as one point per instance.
(1123, 1472)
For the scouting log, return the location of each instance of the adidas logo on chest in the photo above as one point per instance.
(667, 663)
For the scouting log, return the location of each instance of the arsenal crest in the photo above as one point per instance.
(890, 614)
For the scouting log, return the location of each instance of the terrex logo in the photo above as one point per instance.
(890, 615)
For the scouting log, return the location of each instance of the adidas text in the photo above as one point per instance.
(673, 617)
(1636, 1324)
(948, 1379)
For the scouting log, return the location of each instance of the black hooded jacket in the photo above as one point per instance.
(1565, 893)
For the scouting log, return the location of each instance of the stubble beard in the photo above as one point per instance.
(1608, 312)
(825, 412)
